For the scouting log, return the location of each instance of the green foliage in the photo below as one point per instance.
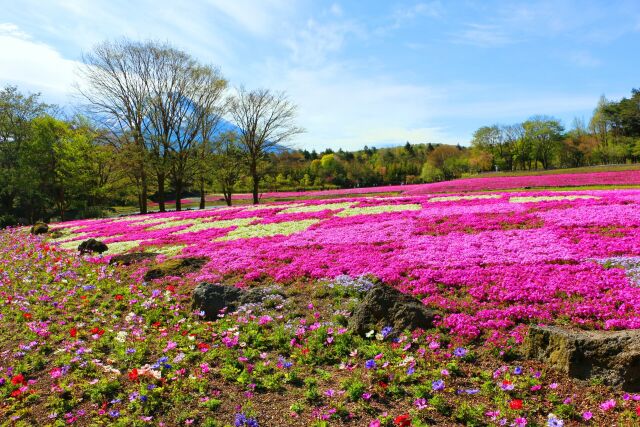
(469, 415)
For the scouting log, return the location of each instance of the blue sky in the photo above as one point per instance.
(361, 72)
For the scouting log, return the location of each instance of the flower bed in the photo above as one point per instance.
(84, 343)
(493, 262)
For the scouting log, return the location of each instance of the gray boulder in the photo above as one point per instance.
(610, 356)
(212, 298)
(92, 245)
(385, 306)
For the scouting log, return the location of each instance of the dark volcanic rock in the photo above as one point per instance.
(92, 245)
(212, 298)
(385, 306)
(39, 228)
(131, 258)
(175, 267)
(610, 356)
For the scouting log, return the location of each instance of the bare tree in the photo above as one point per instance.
(117, 91)
(186, 104)
(198, 109)
(206, 148)
(226, 163)
(265, 122)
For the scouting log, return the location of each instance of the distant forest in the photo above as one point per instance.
(150, 132)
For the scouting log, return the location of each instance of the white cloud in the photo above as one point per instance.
(312, 44)
(336, 9)
(258, 17)
(33, 65)
(340, 108)
(433, 10)
(483, 35)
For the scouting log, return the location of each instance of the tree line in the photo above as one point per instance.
(150, 130)
(612, 135)
(156, 125)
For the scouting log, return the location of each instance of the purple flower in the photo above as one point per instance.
(370, 364)
(386, 331)
(460, 352)
(437, 385)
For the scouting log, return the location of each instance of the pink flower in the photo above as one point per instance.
(587, 415)
(608, 405)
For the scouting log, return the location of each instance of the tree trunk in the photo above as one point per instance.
(178, 196)
(143, 191)
(202, 196)
(227, 196)
(161, 195)
(255, 182)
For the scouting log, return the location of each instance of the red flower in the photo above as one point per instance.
(203, 346)
(18, 379)
(156, 324)
(73, 332)
(119, 297)
(171, 288)
(402, 420)
(133, 375)
(27, 315)
(16, 393)
(97, 331)
(516, 404)
(638, 410)
(383, 384)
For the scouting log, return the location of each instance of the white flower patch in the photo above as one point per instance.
(283, 206)
(271, 229)
(533, 199)
(73, 243)
(120, 247)
(169, 224)
(317, 208)
(372, 210)
(169, 251)
(457, 198)
(70, 238)
(225, 223)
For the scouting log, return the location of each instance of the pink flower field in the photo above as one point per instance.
(611, 178)
(491, 262)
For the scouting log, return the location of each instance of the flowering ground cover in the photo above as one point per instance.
(624, 178)
(84, 342)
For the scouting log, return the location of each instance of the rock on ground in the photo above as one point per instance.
(211, 298)
(610, 356)
(385, 306)
(175, 267)
(92, 245)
